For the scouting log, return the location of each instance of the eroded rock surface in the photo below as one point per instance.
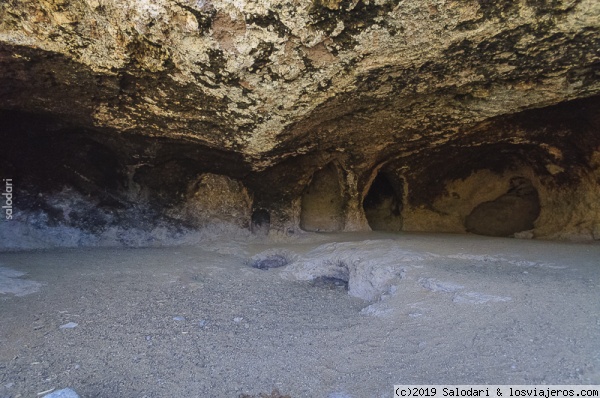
(515, 211)
(128, 105)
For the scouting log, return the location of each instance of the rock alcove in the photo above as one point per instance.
(323, 202)
(277, 117)
(383, 204)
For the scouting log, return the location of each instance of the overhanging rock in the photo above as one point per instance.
(127, 104)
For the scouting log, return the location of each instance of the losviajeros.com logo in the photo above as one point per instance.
(8, 198)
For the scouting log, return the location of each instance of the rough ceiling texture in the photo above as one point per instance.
(298, 111)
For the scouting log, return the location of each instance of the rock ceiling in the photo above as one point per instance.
(136, 101)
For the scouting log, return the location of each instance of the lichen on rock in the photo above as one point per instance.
(154, 95)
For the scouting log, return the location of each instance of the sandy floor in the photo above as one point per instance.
(199, 322)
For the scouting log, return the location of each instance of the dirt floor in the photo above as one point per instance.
(200, 322)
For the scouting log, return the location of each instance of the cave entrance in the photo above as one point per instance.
(323, 202)
(383, 204)
(513, 212)
(260, 222)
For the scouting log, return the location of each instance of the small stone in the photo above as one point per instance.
(273, 261)
(238, 319)
(179, 318)
(524, 235)
(202, 323)
(69, 325)
(64, 393)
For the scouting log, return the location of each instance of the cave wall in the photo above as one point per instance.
(322, 203)
(179, 115)
(555, 148)
(65, 175)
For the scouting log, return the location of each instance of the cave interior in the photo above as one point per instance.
(532, 174)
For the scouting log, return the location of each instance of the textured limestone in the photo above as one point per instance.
(369, 268)
(323, 202)
(513, 212)
(130, 103)
(213, 199)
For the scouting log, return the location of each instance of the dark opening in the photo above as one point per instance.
(383, 204)
(261, 222)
